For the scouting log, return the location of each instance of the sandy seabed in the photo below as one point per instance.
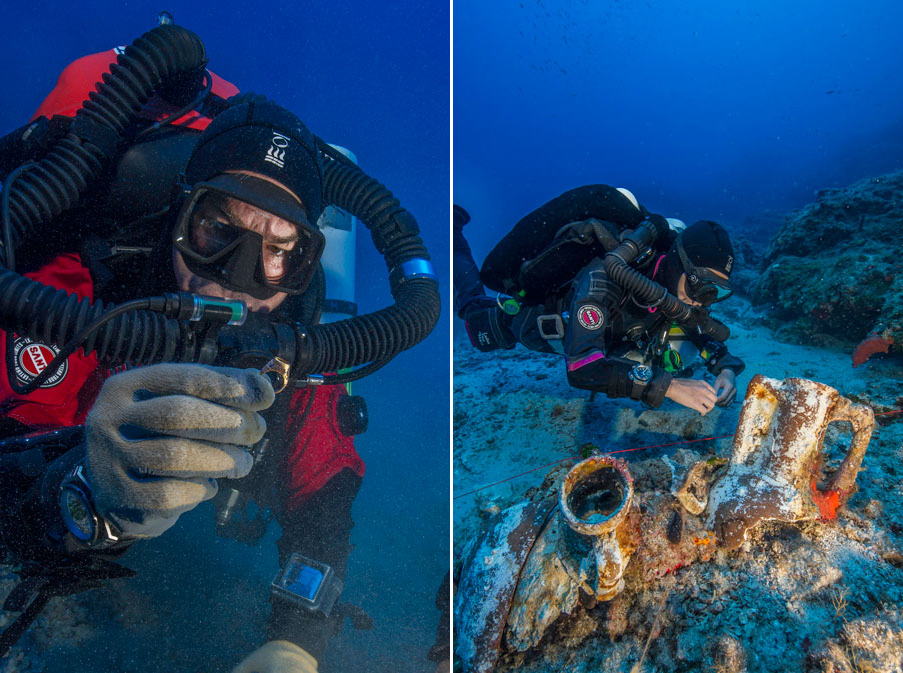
(795, 597)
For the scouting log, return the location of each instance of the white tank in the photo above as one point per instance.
(340, 229)
(676, 225)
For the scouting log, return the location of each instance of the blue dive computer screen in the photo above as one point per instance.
(306, 582)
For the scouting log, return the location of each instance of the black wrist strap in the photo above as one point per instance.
(17, 629)
(637, 390)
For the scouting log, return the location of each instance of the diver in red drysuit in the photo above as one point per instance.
(319, 471)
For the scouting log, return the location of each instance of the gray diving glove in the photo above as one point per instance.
(158, 437)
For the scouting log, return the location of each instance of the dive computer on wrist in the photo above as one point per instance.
(88, 529)
(640, 374)
(308, 584)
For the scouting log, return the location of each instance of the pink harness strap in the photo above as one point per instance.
(585, 361)
(655, 271)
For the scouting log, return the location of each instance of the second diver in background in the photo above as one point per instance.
(563, 300)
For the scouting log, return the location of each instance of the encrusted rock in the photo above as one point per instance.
(729, 655)
(835, 268)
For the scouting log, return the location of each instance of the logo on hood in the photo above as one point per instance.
(276, 153)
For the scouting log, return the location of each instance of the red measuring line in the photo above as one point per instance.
(554, 462)
(609, 453)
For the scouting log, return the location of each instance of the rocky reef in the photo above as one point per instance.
(833, 273)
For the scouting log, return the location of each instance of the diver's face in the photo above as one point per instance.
(279, 237)
(682, 287)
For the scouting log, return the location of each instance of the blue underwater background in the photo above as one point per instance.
(729, 111)
(373, 77)
(738, 112)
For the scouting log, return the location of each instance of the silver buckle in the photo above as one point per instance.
(550, 326)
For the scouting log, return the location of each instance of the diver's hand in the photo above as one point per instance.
(158, 437)
(277, 656)
(726, 387)
(693, 394)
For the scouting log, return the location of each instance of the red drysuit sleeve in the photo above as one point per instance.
(318, 449)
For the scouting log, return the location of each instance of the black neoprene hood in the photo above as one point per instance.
(263, 138)
(708, 245)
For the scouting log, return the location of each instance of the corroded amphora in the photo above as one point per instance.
(584, 549)
(594, 500)
(777, 454)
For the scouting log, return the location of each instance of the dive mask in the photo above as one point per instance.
(703, 285)
(217, 245)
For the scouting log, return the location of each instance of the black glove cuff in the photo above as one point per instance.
(310, 633)
(30, 524)
(41, 506)
(488, 329)
(654, 394)
(727, 361)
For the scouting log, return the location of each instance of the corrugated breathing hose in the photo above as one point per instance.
(57, 181)
(374, 337)
(648, 292)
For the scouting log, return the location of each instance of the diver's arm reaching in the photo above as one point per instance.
(617, 377)
(320, 530)
(725, 367)
(155, 441)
